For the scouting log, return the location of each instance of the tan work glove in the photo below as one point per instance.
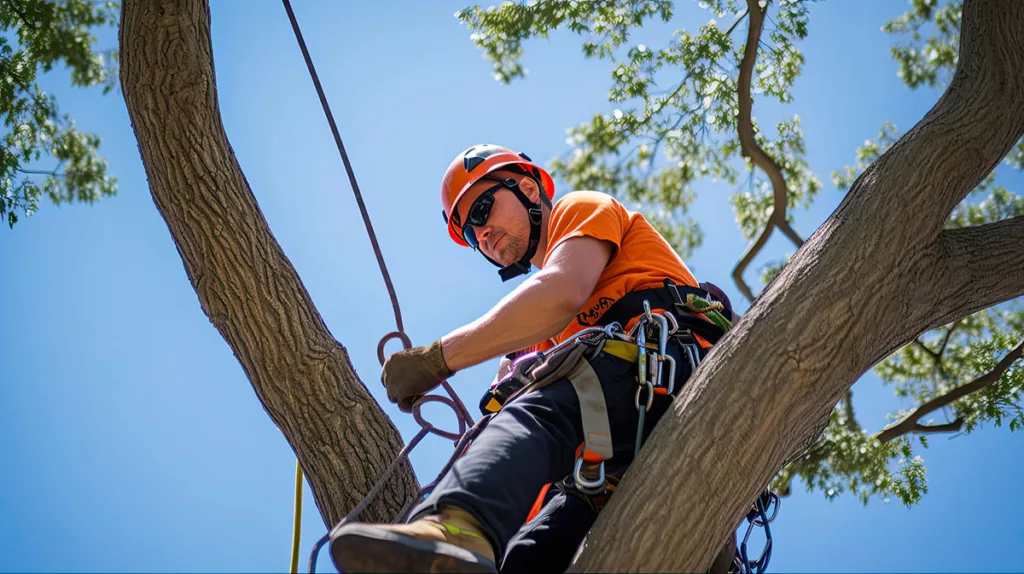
(409, 374)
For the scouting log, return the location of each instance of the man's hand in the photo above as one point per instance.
(407, 375)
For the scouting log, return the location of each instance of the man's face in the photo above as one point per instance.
(505, 235)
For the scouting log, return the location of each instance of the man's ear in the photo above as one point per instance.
(530, 188)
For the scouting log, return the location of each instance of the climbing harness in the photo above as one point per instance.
(569, 359)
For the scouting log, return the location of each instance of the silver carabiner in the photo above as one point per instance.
(662, 333)
(647, 311)
(693, 356)
(575, 337)
(671, 386)
(650, 396)
(588, 486)
(672, 319)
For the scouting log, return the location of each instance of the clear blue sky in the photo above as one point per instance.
(131, 439)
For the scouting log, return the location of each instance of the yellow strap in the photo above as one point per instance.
(623, 349)
(296, 528)
(452, 529)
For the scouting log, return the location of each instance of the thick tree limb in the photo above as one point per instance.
(245, 283)
(991, 67)
(760, 158)
(866, 283)
(910, 424)
(984, 266)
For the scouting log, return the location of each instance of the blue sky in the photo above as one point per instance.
(132, 440)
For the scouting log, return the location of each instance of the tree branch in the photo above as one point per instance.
(752, 251)
(983, 266)
(760, 158)
(738, 20)
(851, 416)
(245, 283)
(21, 15)
(947, 337)
(920, 344)
(987, 76)
(910, 424)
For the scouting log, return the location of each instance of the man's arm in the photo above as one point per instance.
(538, 309)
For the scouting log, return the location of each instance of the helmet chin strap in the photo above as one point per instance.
(535, 213)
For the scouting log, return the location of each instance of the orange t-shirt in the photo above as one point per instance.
(641, 258)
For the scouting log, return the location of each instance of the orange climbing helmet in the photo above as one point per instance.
(474, 164)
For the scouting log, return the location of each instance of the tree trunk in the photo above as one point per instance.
(877, 273)
(246, 285)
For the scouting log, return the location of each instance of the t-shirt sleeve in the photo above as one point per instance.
(587, 213)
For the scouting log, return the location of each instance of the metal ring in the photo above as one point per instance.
(650, 395)
(585, 485)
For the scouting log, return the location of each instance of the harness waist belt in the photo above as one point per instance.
(631, 305)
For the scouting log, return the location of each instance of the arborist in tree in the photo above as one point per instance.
(600, 371)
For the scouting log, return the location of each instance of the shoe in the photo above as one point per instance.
(432, 544)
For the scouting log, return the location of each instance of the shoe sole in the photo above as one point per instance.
(364, 548)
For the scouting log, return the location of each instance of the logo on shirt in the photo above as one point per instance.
(590, 316)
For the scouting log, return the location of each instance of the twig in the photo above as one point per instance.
(851, 417)
(21, 15)
(910, 424)
(738, 20)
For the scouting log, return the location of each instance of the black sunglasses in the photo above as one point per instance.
(479, 211)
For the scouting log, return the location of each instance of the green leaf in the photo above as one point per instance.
(42, 152)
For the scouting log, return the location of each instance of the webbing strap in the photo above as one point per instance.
(630, 305)
(597, 432)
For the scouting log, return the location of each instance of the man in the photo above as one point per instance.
(590, 251)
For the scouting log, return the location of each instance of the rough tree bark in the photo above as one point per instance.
(877, 273)
(245, 283)
(880, 271)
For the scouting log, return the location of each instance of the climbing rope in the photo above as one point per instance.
(461, 412)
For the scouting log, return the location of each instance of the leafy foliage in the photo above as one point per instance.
(676, 113)
(932, 61)
(674, 120)
(48, 32)
(849, 459)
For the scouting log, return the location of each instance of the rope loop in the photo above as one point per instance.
(406, 343)
(455, 436)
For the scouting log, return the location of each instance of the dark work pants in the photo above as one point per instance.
(532, 442)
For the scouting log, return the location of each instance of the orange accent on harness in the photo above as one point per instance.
(538, 504)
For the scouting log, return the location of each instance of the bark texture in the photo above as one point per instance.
(245, 283)
(880, 271)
